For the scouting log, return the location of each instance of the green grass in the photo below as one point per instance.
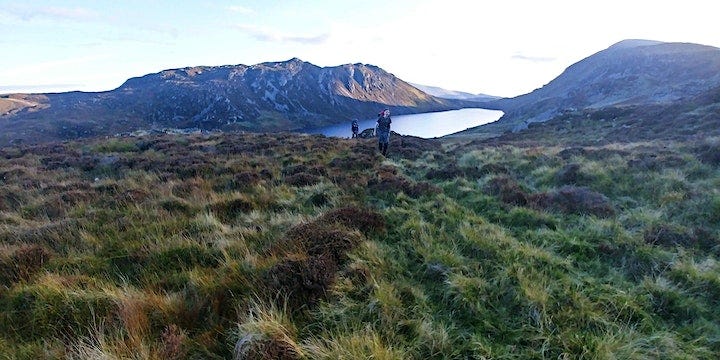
(307, 247)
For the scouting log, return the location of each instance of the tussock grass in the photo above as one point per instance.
(276, 246)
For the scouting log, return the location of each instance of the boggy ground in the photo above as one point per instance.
(287, 247)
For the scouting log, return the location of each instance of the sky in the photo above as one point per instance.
(501, 48)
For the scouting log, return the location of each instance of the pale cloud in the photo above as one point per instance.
(9, 89)
(39, 67)
(70, 13)
(53, 13)
(241, 10)
(270, 35)
(530, 58)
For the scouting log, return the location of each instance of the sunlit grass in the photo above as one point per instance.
(150, 255)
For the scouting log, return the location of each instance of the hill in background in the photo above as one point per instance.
(452, 94)
(274, 96)
(632, 74)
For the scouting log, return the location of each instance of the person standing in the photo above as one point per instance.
(382, 130)
(355, 128)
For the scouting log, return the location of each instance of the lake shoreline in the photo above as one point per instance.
(425, 125)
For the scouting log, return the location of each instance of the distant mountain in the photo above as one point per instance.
(452, 94)
(686, 120)
(273, 96)
(629, 73)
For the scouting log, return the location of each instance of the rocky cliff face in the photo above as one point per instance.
(273, 96)
(631, 72)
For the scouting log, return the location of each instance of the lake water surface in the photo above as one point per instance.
(425, 125)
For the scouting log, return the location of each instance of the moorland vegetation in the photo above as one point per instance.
(279, 246)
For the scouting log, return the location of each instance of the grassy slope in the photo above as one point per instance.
(274, 246)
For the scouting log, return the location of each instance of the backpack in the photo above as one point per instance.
(384, 123)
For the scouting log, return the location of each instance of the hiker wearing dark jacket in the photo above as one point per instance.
(382, 130)
(355, 127)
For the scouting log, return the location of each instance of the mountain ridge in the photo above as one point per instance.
(286, 95)
(630, 72)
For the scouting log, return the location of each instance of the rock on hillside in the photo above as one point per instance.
(272, 96)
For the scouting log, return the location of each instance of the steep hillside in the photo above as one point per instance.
(685, 120)
(632, 72)
(279, 246)
(277, 96)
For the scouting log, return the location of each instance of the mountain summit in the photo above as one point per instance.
(631, 72)
(271, 96)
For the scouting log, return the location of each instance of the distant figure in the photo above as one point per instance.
(382, 130)
(355, 129)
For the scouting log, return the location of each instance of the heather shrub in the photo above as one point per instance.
(319, 200)
(709, 152)
(365, 220)
(300, 281)
(303, 168)
(574, 200)
(386, 182)
(22, 264)
(173, 345)
(507, 190)
(302, 179)
(229, 209)
(319, 239)
(239, 181)
(449, 172)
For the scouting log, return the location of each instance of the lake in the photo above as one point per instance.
(425, 125)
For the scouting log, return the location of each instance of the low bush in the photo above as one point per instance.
(229, 209)
(574, 200)
(302, 179)
(392, 183)
(507, 189)
(22, 264)
(365, 220)
(300, 281)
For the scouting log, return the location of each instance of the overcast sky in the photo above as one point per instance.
(502, 48)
